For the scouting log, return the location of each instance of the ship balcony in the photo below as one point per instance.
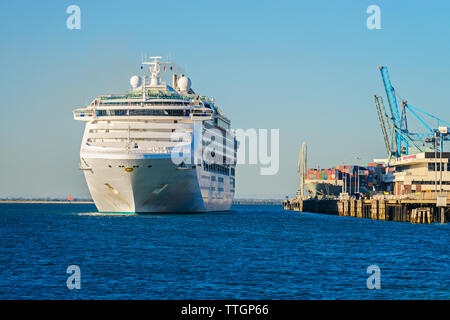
(83, 114)
(201, 114)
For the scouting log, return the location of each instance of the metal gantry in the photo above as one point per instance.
(399, 140)
(385, 123)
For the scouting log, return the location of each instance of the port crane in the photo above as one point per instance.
(386, 125)
(301, 168)
(399, 140)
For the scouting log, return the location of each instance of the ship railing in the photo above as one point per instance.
(201, 114)
(135, 149)
(424, 195)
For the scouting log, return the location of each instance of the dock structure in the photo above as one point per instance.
(411, 185)
(386, 209)
(257, 201)
(312, 205)
(414, 211)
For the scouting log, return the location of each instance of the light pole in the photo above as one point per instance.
(351, 178)
(442, 133)
(442, 203)
(344, 187)
(435, 163)
(359, 160)
(344, 180)
(440, 165)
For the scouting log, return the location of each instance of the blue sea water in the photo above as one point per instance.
(252, 252)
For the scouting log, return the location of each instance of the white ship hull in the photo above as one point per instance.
(155, 186)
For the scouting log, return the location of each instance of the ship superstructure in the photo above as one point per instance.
(157, 148)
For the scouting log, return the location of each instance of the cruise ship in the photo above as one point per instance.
(157, 148)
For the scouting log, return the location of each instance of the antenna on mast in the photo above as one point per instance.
(155, 69)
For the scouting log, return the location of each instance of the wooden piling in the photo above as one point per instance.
(381, 210)
(374, 213)
(359, 208)
(346, 208)
(352, 208)
(341, 208)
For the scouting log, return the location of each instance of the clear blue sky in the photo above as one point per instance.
(308, 68)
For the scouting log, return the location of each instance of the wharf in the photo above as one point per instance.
(400, 209)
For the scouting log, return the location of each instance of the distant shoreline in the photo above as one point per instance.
(47, 201)
(236, 201)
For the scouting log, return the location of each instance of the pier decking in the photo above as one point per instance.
(402, 210)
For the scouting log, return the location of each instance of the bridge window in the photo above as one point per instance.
(144, 112)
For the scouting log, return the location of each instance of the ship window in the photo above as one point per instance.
(144, 112)
(432, 183)
(217, 168)
(222, 124)
(436, 167)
